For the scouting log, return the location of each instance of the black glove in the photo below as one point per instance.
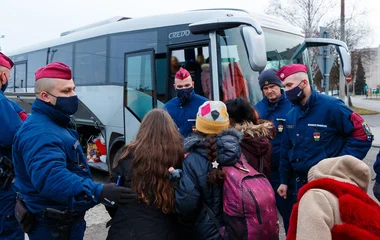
(376, 190)
(112, 195)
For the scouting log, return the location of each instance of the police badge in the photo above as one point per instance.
(367, 131)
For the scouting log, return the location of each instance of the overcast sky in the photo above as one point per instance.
(24, 22)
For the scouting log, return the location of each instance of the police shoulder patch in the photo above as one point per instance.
(366, 128)
(367, 131)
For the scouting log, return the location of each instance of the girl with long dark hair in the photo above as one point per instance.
(198, 196)
(143, 166)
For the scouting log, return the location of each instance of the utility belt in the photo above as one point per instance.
(6, 172)
(59, 221)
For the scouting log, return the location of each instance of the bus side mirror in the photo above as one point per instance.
(255, 47)
(345, 60)
(340, 47)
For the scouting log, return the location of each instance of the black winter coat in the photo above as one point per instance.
(193, 190)
(139, 221)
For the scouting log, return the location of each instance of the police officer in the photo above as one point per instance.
(183, 108)
(52, 176)
(274, 108)
(317, 127)
(11, 117)
(376, 187)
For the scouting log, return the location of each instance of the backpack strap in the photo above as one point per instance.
(212, 215)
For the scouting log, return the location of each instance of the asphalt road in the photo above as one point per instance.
(368, 103)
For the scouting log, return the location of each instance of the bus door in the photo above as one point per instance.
(20, 72)
(139, 89)
(195, 58)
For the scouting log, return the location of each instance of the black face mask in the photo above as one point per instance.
(184, 95)
(66, 105)
(4, 87)
(295, 95)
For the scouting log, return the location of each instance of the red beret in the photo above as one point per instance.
(54, 70)
(291, 69)
(182, 74)
(5, 61)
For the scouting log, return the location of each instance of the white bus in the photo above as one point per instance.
(122, 67)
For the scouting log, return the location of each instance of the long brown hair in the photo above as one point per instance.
(158, 147)
(216, 176)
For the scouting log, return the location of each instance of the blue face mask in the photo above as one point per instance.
(295, 95)
(184, 95)
(66, 105)
(4, 87)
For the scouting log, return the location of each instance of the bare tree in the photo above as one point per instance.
(305, 14)
(310, 14)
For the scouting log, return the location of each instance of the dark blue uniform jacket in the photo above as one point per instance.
(276, 113)
(50, 166)
(10, 123)
(184, 115)
(325, 127)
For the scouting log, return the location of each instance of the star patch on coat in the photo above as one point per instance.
(215, 164)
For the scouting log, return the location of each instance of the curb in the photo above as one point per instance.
(375, 145)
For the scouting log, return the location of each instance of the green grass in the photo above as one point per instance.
(373, 98)
(363, 111)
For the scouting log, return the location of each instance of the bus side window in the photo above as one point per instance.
(192, 59)
(138, 81)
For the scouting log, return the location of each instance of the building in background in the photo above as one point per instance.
(371, 63)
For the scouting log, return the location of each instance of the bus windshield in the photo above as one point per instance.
(237, 77)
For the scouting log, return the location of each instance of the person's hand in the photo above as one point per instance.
(376, 190)
(282, 189)
(174, 173)
(112, 194)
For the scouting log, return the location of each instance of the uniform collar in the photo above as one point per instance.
(311, 101)
(48, 110)
(187, 102)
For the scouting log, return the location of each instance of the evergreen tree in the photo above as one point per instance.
(360, 77)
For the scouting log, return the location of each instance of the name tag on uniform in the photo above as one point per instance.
(317, 125)
(76, 144)
(290, 126)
